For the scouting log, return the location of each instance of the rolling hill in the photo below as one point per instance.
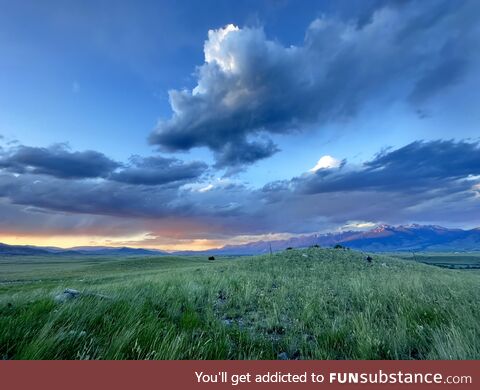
(298, 304)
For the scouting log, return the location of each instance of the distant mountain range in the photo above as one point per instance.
(26, 250)
(126, 251)
(383, 238)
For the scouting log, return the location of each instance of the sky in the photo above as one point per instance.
(192, 125)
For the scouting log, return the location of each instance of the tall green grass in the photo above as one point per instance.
(310, 304)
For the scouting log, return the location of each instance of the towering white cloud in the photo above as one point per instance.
(252, 87)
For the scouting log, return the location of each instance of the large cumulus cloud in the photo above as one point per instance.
(251, 87)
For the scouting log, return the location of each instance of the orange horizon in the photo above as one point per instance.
(143, 240)
(66, 242)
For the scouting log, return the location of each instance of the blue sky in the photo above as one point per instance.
(80, 71)
(219, 100)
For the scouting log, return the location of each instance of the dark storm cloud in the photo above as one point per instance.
(55, 179)
(241, 152)
(158, 171)
(57, 161)
(251, 87)
(419, 166)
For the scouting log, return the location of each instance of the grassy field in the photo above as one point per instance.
(298, 304)
(464, 260)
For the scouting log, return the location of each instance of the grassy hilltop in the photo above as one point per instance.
(298, 304)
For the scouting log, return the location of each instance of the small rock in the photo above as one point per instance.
(304, 255)
(282, 356)
(68, 294)
(384, 265)
(71, 291)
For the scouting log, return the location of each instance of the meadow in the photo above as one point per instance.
(462, 260)
(297, 304)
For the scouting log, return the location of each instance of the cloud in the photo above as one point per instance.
(60, 162)
(158, 170)
(326, 162)
(238, 153)
(20, 220)
(358, 225)
(57, 161)
(419, 166)
(251, 87)
(208, 187)
(82, 197)
(433, 182)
